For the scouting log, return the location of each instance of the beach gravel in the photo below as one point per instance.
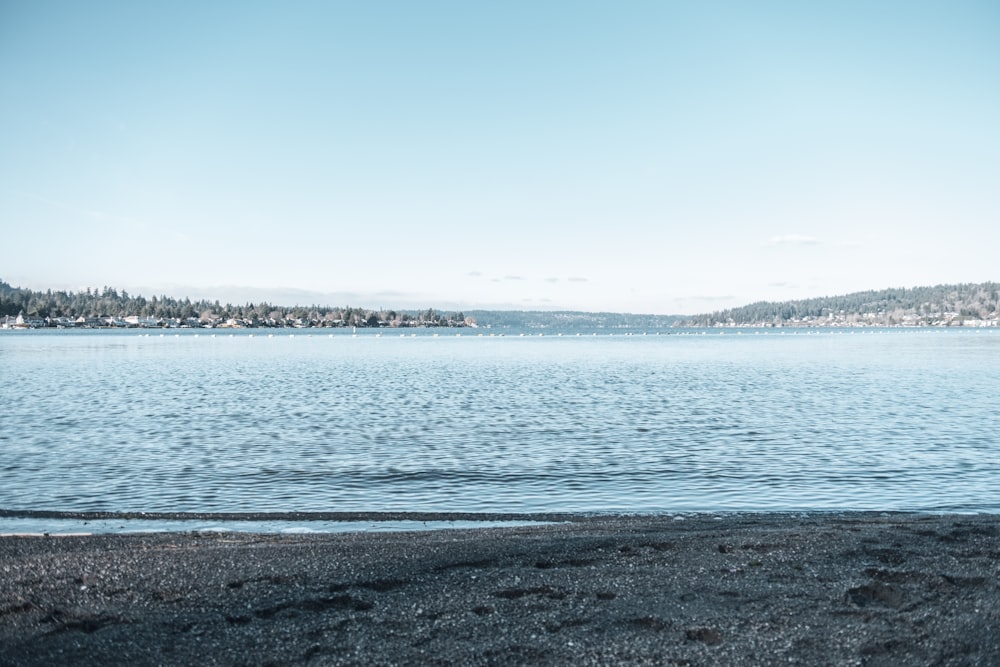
(748, 589)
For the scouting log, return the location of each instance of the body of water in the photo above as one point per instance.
(690, 421)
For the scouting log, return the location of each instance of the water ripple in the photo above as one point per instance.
(114, 422)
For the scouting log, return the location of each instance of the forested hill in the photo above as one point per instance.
(109, 307)
(942, 305)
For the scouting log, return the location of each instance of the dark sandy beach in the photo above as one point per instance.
(817, 589)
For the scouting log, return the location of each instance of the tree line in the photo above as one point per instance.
(937, 305)
(108, 302)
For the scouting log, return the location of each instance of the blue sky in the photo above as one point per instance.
(662, 157)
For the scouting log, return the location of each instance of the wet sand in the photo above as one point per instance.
(815, 589)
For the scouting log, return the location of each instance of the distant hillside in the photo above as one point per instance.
(942, 305)
(569, 320)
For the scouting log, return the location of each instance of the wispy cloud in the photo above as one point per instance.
(577, 279)
(513, 277)
(792, 240)
(475, 274)
(551, 280)
(74, 209)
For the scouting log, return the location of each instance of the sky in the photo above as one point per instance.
(662, 157)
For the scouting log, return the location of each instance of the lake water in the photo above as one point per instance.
(692, 421)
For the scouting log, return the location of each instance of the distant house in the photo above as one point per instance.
(144, 322)
(22, 322)
(88, 322)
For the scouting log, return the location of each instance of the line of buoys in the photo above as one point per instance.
(731, 331)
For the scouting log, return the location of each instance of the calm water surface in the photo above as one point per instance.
(864, 420)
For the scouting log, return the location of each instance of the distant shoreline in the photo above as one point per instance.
(541, 328)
